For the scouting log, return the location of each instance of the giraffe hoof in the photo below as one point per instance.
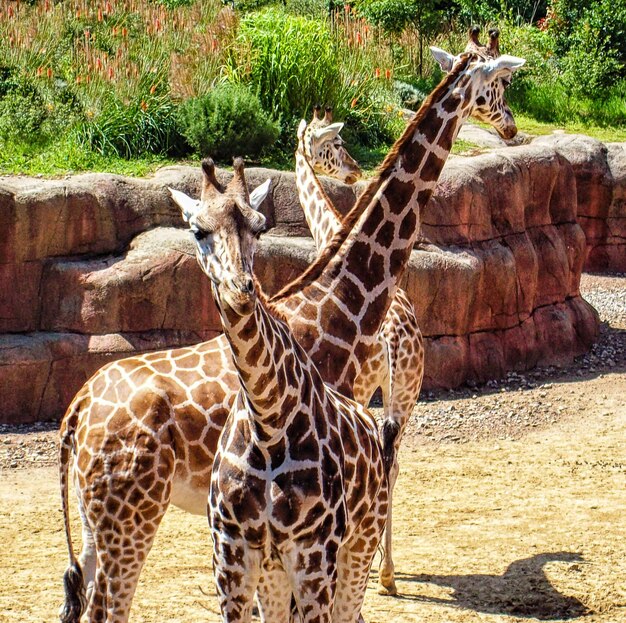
(387, 586)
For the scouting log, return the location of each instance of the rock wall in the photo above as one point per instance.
(98, 266)
(600, 172)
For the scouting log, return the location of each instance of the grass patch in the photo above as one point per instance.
(67, 156)
(539, 128)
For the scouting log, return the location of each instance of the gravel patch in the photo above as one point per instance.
(508, 408)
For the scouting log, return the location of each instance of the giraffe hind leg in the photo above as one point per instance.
(122, 548)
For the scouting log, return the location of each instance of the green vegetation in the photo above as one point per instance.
(126, 85)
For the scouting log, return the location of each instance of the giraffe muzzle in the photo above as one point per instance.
(509, 132)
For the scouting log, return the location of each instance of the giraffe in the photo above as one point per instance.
(396, 361)
(297, 502)
(142, 432)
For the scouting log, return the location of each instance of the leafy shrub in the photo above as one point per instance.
(32, 113)
(21, 116)
(227, 122)
(592, 62)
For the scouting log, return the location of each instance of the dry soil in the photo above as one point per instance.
(510, 508)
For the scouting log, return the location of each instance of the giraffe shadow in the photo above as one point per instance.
(523, 590)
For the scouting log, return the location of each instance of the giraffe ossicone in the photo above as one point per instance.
(298, 496)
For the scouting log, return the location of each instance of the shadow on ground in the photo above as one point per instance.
(523, 590)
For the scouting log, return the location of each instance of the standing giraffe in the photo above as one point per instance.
(298, 494)
(142, 432)
(396, 360)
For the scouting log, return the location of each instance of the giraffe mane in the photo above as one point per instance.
(267, 303)
(323, 192)
(316, 268)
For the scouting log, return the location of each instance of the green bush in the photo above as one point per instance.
(227, 122)
(21, 116)
(34, 113)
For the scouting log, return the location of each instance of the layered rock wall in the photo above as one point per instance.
(600, 172)
(99, 266)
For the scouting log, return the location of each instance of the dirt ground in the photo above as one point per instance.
(510, 507)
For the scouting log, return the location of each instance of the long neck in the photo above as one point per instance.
(272, 368)
(323, 220)
(347, 291)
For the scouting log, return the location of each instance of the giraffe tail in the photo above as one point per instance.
(73, 580)
(389, 433)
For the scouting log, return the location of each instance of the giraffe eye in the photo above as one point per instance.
(200, 234)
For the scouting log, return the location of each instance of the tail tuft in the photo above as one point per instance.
(389, 433)
(75, 599)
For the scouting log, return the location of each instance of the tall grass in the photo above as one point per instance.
(109, 78)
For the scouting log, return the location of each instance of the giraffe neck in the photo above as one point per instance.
(321, 216)
(271, 366)
(349, 288)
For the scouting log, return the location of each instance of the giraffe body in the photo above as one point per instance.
(395, 362)
(130, 452)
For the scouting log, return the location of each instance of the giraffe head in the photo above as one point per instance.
(319, 142)
(226, 224)
(482, 87)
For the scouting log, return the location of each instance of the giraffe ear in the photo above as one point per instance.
(445, 59)
(187, 205)
(301, 129)
(257, 196)
(504, 63)
(328, 132)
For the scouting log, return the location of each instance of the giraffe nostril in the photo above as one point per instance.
(247, 285)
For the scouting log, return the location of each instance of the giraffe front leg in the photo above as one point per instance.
(312, 570)
(237, 569)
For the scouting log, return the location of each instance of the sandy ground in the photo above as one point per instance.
(510, 508)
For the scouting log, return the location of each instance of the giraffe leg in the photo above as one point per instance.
(400, 393)
(122, 499)
(122, 548)
(237, 569)
(88, 556)
(313, 574)
(386, 570)
(354, 567)
(389, 432)
(274, 594)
